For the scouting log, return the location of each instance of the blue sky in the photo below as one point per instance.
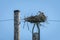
(51, 8)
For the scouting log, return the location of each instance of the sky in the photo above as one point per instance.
(50, 8)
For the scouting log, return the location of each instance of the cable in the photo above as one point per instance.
(6, 20)
(23, 19)
(54, 20)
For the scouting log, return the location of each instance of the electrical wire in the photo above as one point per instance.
(23, 19)
(6, 20)
(54, 20)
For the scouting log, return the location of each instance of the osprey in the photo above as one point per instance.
(37, 18)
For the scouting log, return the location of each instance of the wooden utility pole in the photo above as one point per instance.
(36, 35)
(16, 24)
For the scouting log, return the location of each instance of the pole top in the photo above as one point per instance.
(16, 11)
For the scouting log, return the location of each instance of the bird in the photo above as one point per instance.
(37, 18)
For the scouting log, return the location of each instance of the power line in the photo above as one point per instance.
(54, 20)
(23, 19)
(6, 20)
(9, 19)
